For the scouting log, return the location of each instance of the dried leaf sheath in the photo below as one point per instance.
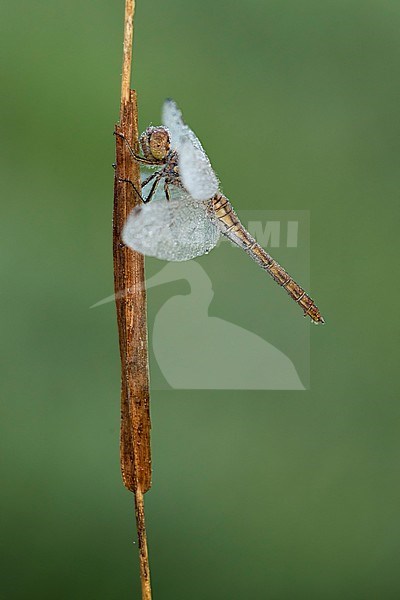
(131, 316)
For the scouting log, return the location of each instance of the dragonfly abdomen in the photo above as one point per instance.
(233, 229)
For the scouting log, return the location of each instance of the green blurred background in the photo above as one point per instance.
(283, 495)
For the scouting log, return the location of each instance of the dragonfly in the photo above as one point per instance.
(184, 212)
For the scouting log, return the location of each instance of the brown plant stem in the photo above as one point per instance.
(129, 279)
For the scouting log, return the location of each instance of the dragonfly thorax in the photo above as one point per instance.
(155, 143)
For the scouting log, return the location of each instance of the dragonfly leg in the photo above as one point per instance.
(166, 191)
(139, 159)
(153, 187)
(134, 187)
(153, 190)
(148, 179)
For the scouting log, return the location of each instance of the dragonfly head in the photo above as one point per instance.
(155, 143)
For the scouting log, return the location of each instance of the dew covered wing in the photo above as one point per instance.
(195, 169)
(176, 230)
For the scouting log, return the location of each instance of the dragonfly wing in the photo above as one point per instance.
(176, 230)
(195, 169)
(172, 119)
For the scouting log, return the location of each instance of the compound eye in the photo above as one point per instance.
(159, 143)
